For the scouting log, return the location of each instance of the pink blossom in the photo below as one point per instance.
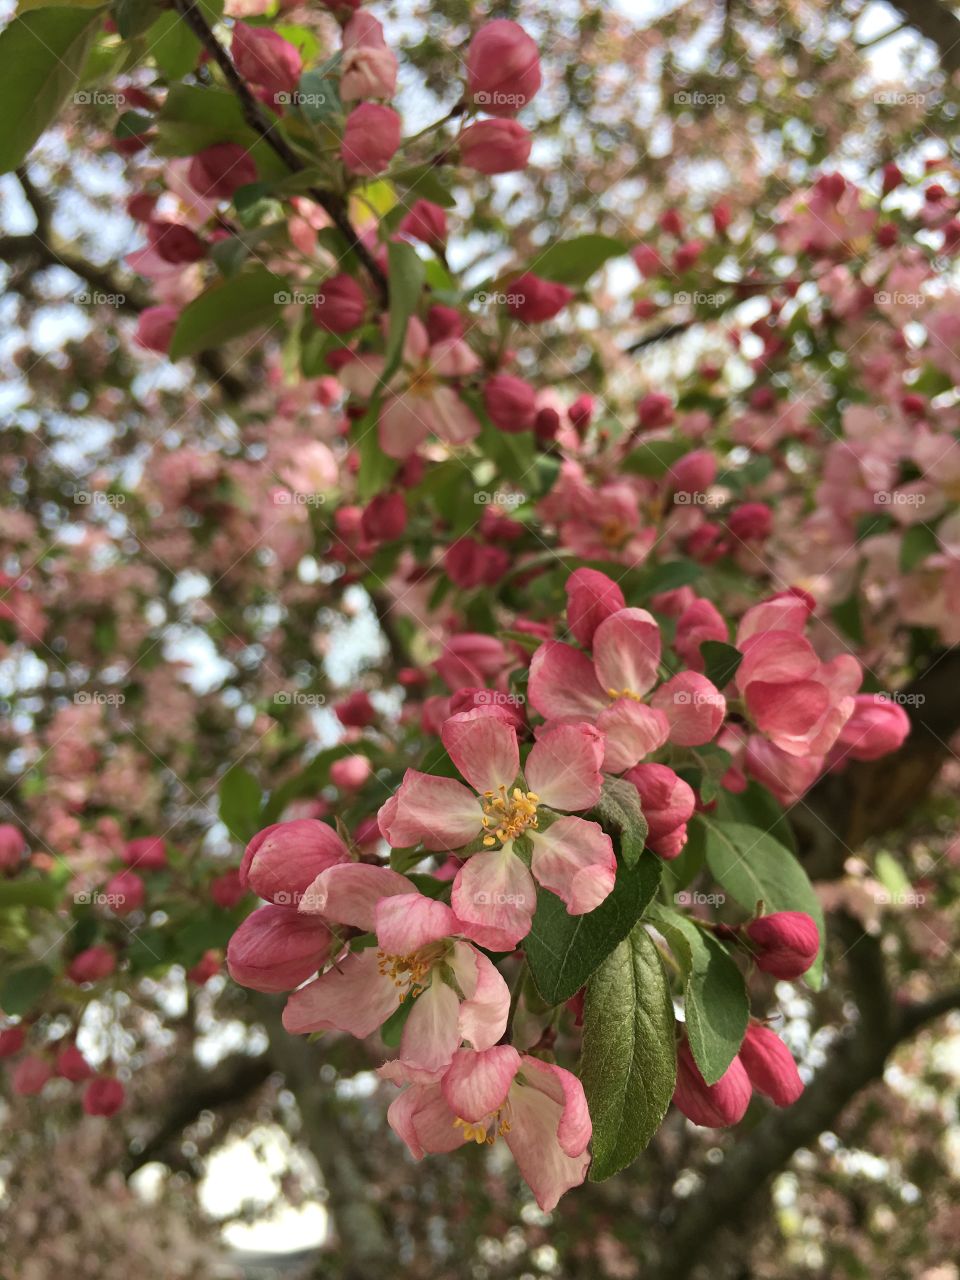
(267, 60)
(277, 948)
(370, 138)
(714, 1106)
(503, 68)
(495, 146)
(282, 860)
(770, 1065)
(533, 300)
(784, 943)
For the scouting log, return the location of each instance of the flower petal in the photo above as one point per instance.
(694, 706)
(478, 1083)
(354, 997)
(484, 749)
(575, 1128)
(349, 893)
(563, 768)
(563, 684)
(535, 1118)
(631, 731)
(486, 1006)
(431, 1033)
(495, 892)
(440, 812)
(574, 859)
(402, 425)
(421, 1118)
(409, 921)
(626, 651)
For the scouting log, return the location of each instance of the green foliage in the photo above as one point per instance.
(248, 301)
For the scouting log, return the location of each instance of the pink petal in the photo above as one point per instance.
(440, 812)
(349, 893)
(403, 425)
(776, 656)
(626, 651)
(452, 421)
(431, 1034)
(354, 997)
(632, 731)
(575, 1128)
(563, 684)
(362, 376)
(563, 768)
(694, 706)
(477, 1084)
(789, 709)
(574, 859)
(484, 749)
(535, 1118)
(484, 1011)
(421, 1118)
(496, 892)
(782, 613)
(410, 921)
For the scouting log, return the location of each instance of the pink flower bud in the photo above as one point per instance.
(218, 171)
(384, 517)
(655, 409)
(370, 139)
(125, 892)
(12, 1040)
(356, 710)
(770, 1065)
(671, 845)
(148, 853)
(671, 224)
(12, 847)
(591, 597)
(581, 413)
(784, 943)
(277, 948)
(546, 424)
(510, 402)
(648, 261)
(667, 801)
(714, 1106)
(363, 29)
(751, 522)
(694, 472)
(877, 727)
(722, 216)
(368, 71)
(155, 326)
(469, 563)
(350, 772)
(687, 254)
(443, 322)
(207, 967)
(341, 304)
(281, 861)
(72, 1065)
(175, 243)
(228, 889)
(140, 207)
(91, 965)
(532, 299)
(428, 222)
(103, 1096)
(30, 1075)
(700, 621)
(503, 68)
(267, 60)
(495, 146)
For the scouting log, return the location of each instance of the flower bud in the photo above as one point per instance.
(350, 772)
(469, 563)
(784, 943)
(495, 146)
(368, 71)
(770, 1065)
(751, 522)
(503, 68)
(876, 727)
(155, 326)
(265, 59)
(175, 243)
(103, 1096)
(206, 968)
(591, 597)
(427, 222)
(12, 1040)
(72, 1065)
(443, 322)
(713, 1105)
(356, 711)
(218, 171)
(148, 853)
(126, 892)
(140, 206)
(91, 965)
(12, 847)
(384, 517)
(581, 413)
(667, 801)
(341, 304)
(277, 948)
(228, 889)
(30, 1075)
(510, 402)
(694, 472)
(370, 139)
(655, 409)
(282, 860)
(532, 299)
(546, 424)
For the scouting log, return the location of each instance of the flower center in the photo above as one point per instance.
(487, 1130)
(422, 381)
(624, 693)
(405, 972)
(508, 816)
(614, 531)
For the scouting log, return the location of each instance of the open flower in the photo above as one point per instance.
(418, 402)
(457, 994)
(609, 690)
(494, 895)
(538, 1109)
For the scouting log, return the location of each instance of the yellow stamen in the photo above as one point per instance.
(406, 972)
(624, 693)
(509, 815)
(485, 1131)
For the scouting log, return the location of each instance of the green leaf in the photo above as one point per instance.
(406, 274)
(376, 468)
(563, 950)
(22, 988)
(721, 661)
(573, 262)
(194, 117)
(44, 893)
(392, 1029)
(754, 867)
(918, 542)
(42, 54)
(629, 1063)
(173, 46)
(240, 803)
(620, 813)
(232, 307)
(654, 458)
(313, 778)
(715, 1001)
(757, 808)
